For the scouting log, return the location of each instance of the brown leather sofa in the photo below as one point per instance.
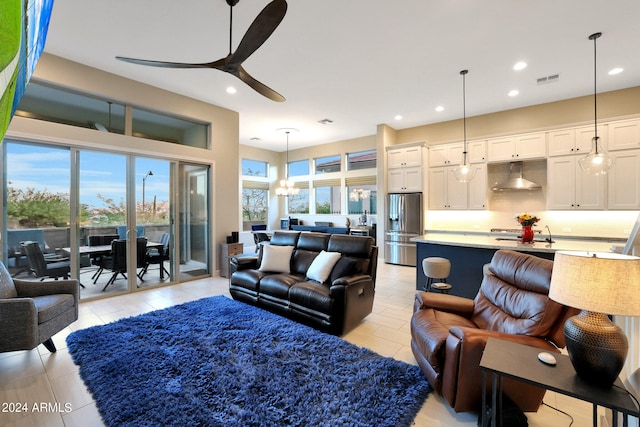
(335, 306)
(449, 333)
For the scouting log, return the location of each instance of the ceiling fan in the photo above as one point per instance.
(259, 31)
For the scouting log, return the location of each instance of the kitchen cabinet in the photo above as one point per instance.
(624, 181)
(569, 141)
(517, 147)
(585, 134)
(624, 134)
(477, 151)
(404, 180)
(477, 188)
(445, 154)
(445, 191)
(569, 188)
(404, 157)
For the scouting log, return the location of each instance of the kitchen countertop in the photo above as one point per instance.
(488, 241)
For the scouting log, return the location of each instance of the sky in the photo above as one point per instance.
(48, 169)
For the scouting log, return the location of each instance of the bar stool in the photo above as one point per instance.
(437, 270)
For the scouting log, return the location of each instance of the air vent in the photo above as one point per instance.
(255, 138)
(548, 79)
(325, 121)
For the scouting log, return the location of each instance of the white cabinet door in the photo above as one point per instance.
(477, 151)
(562, 142)
(501, 149)
(395, 180)
(584, 137)
(395, 158)
(446, 154)
(438, 188)
(570, 188)
(624, 134)
(413, 156)
(404, 180)
(438, 155)
(624, 181)
(590, 190)
(561, 186)
(445, 191)
(404, 157)
(413, 179)
(456, 191)
(477, 188)
(531, 146)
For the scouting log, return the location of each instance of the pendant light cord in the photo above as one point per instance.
(286, 167)
(595, 37)
(464, 116)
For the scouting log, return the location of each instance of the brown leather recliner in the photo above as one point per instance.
(448, 333)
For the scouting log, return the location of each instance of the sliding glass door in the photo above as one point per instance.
(77, 203)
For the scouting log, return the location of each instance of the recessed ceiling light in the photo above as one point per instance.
(398, 117)
(439, 108)
(520, 66)
(514, 92)
(615, 71)
(231, 90)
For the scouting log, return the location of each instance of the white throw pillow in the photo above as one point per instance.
(321, 267)
(276, 259)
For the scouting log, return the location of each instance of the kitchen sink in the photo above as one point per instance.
(517, 239)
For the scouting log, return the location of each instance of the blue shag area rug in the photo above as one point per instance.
(219, 362)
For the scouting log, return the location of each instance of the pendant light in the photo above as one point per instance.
(464, 172)
(286, 185)
(598, 161)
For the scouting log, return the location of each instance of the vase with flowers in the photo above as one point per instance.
(527, 221)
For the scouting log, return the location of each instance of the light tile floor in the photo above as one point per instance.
(38, 376)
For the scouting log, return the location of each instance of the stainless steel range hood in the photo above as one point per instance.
(515, 180)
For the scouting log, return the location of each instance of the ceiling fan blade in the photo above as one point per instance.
(163, 64)
(259, 31)
(261, 88)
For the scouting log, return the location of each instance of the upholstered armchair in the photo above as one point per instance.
(32, 312)
(449, 333)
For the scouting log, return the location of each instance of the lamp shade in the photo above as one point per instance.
(599, 282)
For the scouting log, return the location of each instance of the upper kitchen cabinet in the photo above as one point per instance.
(624, 181)
(404, 168)
(518, 147)
(404, 180)
(445, 155)
(407, 156)
(477, 151)
(569, 141)
(624, 134)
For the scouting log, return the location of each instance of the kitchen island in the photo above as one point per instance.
(469, 252)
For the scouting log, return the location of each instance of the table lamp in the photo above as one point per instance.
(599, 284)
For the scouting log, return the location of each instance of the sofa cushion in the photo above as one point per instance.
(276, 259)
(345, 266)
(51, 306)
(311, 296)
(322, 265)
(277, 285)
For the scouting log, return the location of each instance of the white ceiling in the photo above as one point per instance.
(360, 62)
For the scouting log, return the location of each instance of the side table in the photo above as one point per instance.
(520, 362)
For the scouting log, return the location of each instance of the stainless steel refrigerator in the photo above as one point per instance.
(404, 221)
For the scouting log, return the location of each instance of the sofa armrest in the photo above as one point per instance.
(444, 302)
(19, 318)
(244, 263)
(351, 280)
(473, 337)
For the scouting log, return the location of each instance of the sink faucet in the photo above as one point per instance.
(548, 239)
